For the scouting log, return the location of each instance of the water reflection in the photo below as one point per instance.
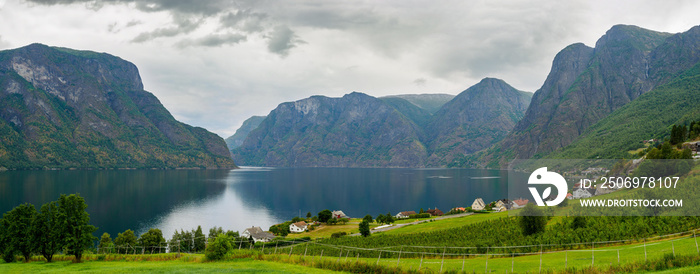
(183, 199)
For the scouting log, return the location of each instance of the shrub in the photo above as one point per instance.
(218, 248)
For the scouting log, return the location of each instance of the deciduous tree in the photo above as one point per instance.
(46, 231)
(77, 231)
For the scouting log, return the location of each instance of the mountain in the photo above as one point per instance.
(356, 130)
(587, 84)
(416, 114)
(359, 130)
(249, 125)
(63, 108)
(474, 120)
(647, 117)
(429, 102)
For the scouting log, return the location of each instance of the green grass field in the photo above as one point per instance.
(245, 265)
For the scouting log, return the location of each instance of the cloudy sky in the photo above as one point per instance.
(214, 63)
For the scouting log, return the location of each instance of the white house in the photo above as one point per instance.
(298, 227)
(581, 193)
(404, 214)
(257, 234)
(478, 204)
(338, 214)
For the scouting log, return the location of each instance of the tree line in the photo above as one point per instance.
(61, 225)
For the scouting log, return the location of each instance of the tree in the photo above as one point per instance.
(364, 228)
(213, 232)
(343, 221)
(308, 214)
(125, 241)
(46, 231)
(367, 218)
(389, 219)
(218, 248)
(7, 254)
(174, 243)
(152, 240)
(18, 223)
(380, 218)
(532, 220)
(186, 240)
(199, 240)
(105, 243)
(422, 211)
(325, 215)
(77, 230)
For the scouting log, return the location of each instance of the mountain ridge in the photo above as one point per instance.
(64, 108)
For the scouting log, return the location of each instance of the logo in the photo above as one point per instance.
(541, 177)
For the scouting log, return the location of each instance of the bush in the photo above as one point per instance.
(338, 234)
(532, 220)
(419, 215)
(218, 248)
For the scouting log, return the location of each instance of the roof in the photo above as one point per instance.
(479, 201)
(300, 224)
(253, 230)
(339, 213)
(263, 235)
(407, 213)
(521, 202)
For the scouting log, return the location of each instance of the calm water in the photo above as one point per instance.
(182, 199)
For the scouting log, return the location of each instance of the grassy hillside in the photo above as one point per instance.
(647, 117)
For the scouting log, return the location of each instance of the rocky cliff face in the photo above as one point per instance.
(356, 130)
(474, 120)
(249, 125)
(62, 108)
(587, 84)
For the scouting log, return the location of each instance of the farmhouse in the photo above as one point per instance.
(298, 227)
(478, 204)
(404, 214)
(338, 214)
(519, 203)
(502, 203)
(580, 193)
(257, 234)
(435, 212)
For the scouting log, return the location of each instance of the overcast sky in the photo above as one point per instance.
(215, 63)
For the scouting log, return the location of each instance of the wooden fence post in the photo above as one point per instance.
(645, 249)
(487, 259)
(380, 256)
(443, 258)
(399, 259)
(421, 261)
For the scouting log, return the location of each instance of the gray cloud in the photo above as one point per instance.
(282, 39)
(208, 7)
(420, 82)
(244, 20)
(213, 40)
(184, 25)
